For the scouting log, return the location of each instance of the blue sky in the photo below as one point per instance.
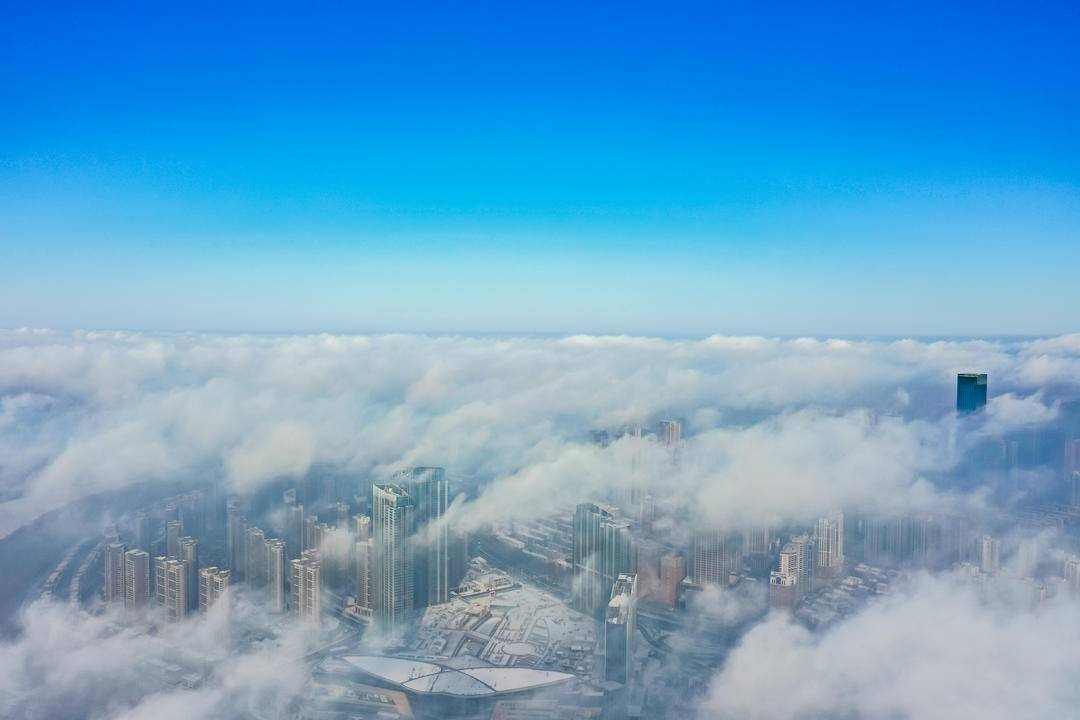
(874, 169)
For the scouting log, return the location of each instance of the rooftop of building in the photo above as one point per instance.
(426, 677)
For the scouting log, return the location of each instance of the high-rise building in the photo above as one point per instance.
(114, 574)
(312, 532)
(430, 493)
(1027, 558)
(647, 568)
(364, 556)
(136, 579)
(990, 558)
(170, 579)
(362, 527)
(189, 555)
(255, 570)
(142, 536)
(970, 392)
(173, 530)
(672, 573)
(276, 573)
(620, 624)
(757, 540)
(235, 541)
(805, 558)
(213, 585)
(717, 557)
(305, 575)
(1075, 489)
(784, 583)
(342, 516)
(294, 536)
(392, 524)
(1071, 571)
(757, 546)
(669, 432)
(829, 537)
(1072, 457)
(603, 548)
(193, 514)
(459, 558)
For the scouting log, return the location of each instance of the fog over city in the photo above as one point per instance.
(774, 433)
(539, 361)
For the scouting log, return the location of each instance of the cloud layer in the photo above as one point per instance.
(935, 650)
(772, 422)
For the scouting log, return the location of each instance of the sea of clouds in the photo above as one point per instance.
(778, 431)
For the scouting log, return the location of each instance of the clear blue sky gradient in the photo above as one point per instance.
(870, 168)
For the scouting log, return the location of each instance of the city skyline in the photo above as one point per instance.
(606, 361)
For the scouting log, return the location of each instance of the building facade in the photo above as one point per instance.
(829, 538)
(114, 574)
(603, 548)
(970, 392)
(213, 586)
(170, 580)
(430, 493)
(305, 577)
(620, 626)
(393, 574)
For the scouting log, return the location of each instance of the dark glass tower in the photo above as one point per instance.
(970, 392)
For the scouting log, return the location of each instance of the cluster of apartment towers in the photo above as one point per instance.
(402, 557)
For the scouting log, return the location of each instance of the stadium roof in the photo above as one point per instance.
(419, 676)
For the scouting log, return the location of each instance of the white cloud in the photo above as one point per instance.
(933, 651)
(769, 417)
(69, 664)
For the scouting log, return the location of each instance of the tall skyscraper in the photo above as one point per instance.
(193, 514)
(235, 541)
(142, 536)
(1027, 558)
(170, 579)
(620, 625)
(1071, 571)
(114, 574)
(784, 583)
(806, 559)
(459, 558)
(1072, 457)
(136, 579)
(276, 573)
(970, 392)
(305, 575)
(672, 573)
(173, 530)
(364, 557)
(669, 432)
(312, 533)
(602, 550)
(362, 527)
(430, 493)
(392, 524)
(342, 516)
(830, 545)
(717, 555)
(189, 555)
(213, 585)
(294, 536)
(990, 559)
(255, 569)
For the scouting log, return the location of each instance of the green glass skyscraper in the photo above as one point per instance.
(970, 392)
